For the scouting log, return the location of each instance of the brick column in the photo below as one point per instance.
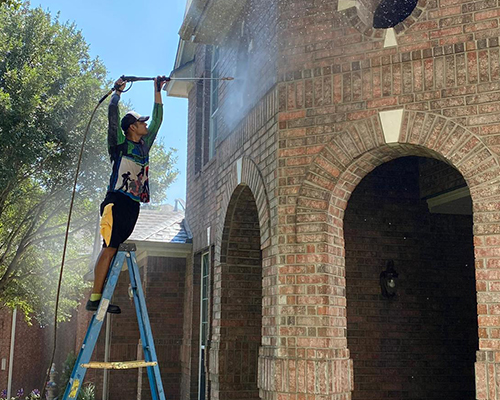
(487, 375)
(310, 359)
(305, 377)
(487, 252)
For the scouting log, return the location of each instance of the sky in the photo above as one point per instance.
(136, 38)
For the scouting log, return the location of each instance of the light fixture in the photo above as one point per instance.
(388, 280)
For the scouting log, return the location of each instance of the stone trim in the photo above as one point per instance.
(351, 14)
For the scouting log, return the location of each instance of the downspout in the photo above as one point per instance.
(11, 355)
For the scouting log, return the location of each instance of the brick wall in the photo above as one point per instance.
(6, 326)
(422, 343)
(335, 78)
(437, 177)
(33, 347)
(30, 353)
(332, 79)
(254, 86)
(82, 321)
(247, 107)
(190, 349)
(165, 299)
(163, 281)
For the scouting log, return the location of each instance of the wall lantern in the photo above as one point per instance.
(388, 280)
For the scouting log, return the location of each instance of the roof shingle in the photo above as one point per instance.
(164, 225)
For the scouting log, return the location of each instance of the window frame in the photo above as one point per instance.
(213, 102)
(204, 321)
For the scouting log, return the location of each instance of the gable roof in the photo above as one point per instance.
(163, 225)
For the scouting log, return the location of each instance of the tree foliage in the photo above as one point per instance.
(162, 172)
(49, 86)
(10, 3)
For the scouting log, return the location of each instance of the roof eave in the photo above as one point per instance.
(181, 88)
(209, 21)
(162, 249)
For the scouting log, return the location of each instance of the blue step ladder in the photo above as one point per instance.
(125, 252)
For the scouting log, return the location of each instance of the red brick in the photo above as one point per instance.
(479, 16)
(327, 78)
(287, 116)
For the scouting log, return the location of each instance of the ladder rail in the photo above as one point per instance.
(125, 252)
(85, 354)
(157, 392)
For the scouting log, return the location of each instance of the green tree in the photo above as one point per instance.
(10, 3)
(49, 86)
(163, 171)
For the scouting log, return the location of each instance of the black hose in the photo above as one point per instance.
(80, 156)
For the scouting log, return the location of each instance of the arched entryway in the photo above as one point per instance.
(237, 309)
(417, 339)
(323, 197)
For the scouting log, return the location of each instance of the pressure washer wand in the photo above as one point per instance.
(143, 78)
(135, 78)
(129, 78)
(224, 78)
(126, 78)
(140, 78)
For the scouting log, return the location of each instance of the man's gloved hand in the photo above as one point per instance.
(160, 82)
(119, 85)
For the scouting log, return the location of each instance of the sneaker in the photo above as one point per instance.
(94, 305)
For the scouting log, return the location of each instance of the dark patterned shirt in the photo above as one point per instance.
(130, 159)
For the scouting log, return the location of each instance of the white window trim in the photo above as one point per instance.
(213, 112)
(202, 347)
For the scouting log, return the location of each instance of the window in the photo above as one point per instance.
(389, 13)
(214, 101)
(207, 107)
(371, 16)
(203, 322)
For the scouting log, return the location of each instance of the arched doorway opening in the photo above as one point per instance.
(419, 343)
(237, 310)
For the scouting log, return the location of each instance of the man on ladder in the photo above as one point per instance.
(128, 149)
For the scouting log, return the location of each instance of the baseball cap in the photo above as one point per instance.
(130, 118)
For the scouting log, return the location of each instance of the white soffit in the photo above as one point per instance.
(152, 249)
(209, 21)
(391, 124)
(184, 68)
(390, 38)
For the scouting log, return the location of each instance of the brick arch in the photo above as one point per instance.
(352, 16)
(352, 154)
(242, 245)
(237, 302)
(245, 172)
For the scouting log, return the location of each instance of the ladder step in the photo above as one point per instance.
(120, 364)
